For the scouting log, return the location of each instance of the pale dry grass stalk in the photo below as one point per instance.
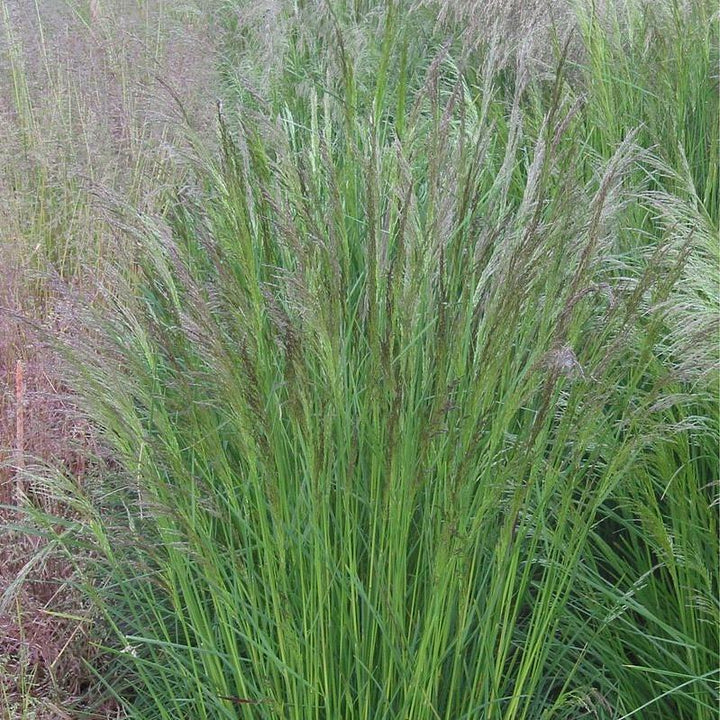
(20, 494)
(94, 12)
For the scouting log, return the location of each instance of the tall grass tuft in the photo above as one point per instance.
(400, 403)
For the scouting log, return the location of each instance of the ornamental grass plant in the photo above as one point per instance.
(410, 392)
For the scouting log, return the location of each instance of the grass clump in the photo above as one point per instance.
(399, 398)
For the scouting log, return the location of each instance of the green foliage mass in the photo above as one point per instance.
(411, 393)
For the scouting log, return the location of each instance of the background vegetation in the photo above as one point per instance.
(397, 368)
